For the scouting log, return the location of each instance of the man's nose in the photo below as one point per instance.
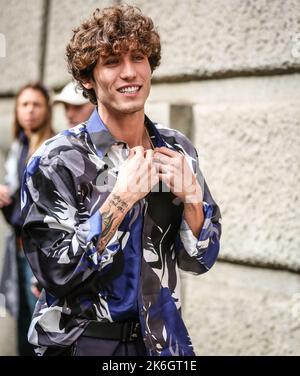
(128, 71)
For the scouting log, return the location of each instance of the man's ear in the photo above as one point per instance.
(87, 84)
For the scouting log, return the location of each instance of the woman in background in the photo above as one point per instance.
(32, 126)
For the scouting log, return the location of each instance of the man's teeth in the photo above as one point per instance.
(129, 89)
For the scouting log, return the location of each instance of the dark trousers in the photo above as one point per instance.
(104, 347)
(26, 305)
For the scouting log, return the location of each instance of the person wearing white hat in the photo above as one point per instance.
(77, 107)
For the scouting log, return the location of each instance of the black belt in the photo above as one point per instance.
(126, 331)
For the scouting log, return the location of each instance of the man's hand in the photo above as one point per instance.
(137, 175)
(175, 172)
(4, 196)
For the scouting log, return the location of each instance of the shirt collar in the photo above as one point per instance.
(156, 137)
(99, 134)
(103, 139)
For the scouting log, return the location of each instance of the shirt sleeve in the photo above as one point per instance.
(60, 236)
(197, 255)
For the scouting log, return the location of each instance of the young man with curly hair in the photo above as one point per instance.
(115, 206)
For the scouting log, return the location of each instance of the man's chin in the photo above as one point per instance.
(131, 110)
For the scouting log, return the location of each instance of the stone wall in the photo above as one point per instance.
(230, 70)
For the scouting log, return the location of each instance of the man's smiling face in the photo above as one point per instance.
(122, 82)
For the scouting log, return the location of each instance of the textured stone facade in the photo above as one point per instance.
(21, 25)
(240, 310)
(64, 15)
(224, 37)
(222, 73)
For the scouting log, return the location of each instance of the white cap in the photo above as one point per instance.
(71, 95)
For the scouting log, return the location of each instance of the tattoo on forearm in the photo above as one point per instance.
(111, 220)
(119, 203)
(107, 220)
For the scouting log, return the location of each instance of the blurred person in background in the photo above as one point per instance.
(31, 127)
(77, 108)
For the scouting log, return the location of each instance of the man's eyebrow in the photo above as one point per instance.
(106, 57)
(137, 51)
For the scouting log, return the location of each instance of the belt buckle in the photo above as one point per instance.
(134, 331)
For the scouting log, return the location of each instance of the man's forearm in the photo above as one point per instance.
(194, 216)
(113, 212)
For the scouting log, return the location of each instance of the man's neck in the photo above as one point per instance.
(128, 127)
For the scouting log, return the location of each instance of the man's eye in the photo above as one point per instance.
(138, 57)
(111, 61)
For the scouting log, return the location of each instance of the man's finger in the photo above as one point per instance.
(138, 151)
(167, 151)
(164, 168)
(149, 155)
(161, 158)
(131, 153)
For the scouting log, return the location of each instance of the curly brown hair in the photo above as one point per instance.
(110, 31)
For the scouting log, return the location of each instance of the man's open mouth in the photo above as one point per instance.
(129, 89)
